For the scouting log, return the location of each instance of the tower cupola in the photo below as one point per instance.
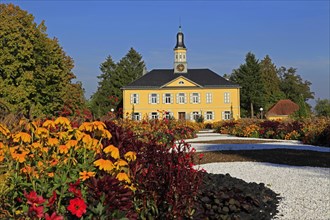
(180, 54)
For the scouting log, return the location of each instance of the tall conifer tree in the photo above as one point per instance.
(248, 76)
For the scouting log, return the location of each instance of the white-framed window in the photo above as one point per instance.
(168, 115)
(136, 116)
(167, 98)
(208, 97)
(134, 98)
(226, 115)
(194, 98)
(194, 115)
(153, 98)
(181, 98)
(209, 115)
(227, 97)
(154, 115)
(181, 82)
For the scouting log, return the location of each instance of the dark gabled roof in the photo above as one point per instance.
(283, 107)
(159, 77)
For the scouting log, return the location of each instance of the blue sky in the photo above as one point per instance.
(218, 34)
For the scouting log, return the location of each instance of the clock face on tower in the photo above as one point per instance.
(180, 67)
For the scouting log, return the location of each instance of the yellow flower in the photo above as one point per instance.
(114, 152)
(42, 132)
(123, 177)
(106, 134)
(22, 136)
(78, 135)
(130, 156)
(4, 130)
(63, 149)
(49, 124)
(53, 141)
(62, 121)
(106, 165)
(85, 175)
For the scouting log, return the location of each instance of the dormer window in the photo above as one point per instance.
(181, 82)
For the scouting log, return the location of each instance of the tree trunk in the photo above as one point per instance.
(252, 113)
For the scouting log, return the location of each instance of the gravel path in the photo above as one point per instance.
(305, 191)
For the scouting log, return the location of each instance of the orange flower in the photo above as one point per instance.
(48, 124)
(86, 126)
(130, 156)
(106, 165)
(87, 139)
(51, 174)
(98, 125)
(72, 143)
(62, 121)
(63, 149)
(123, 177)
(85, 175)
(18, 154)
(22, 136)
(114, 151)
(53, 141)
(121, 163)
(36, 145)
(42, 132)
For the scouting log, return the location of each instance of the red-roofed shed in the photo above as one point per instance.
(282, 109)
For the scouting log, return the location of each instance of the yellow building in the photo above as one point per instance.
(182, 93)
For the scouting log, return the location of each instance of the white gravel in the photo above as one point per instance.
(305, 191)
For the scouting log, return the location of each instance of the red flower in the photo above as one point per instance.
(201, 156)
(73, 188)
(36, 211)
(52, 199)
(77, 207)
(54, 216)
(33, 198)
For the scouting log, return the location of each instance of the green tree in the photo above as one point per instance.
(35, 72)
(101, 101)
(248, 76)
(322, 107)
(114, 76)
(295, 88)
(271, 82)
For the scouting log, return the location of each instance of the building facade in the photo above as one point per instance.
(182, 93)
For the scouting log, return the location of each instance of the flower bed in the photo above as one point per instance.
(314, 131)
(56, 169)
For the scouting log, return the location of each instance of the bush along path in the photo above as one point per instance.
(228, 198)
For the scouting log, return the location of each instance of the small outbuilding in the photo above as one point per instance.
(282, 109)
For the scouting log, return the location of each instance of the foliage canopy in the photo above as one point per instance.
(35, 72)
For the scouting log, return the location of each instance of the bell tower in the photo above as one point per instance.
(180, 54)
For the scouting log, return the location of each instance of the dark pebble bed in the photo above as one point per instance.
(223, 197)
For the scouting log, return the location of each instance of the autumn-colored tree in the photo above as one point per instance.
(35, 72)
